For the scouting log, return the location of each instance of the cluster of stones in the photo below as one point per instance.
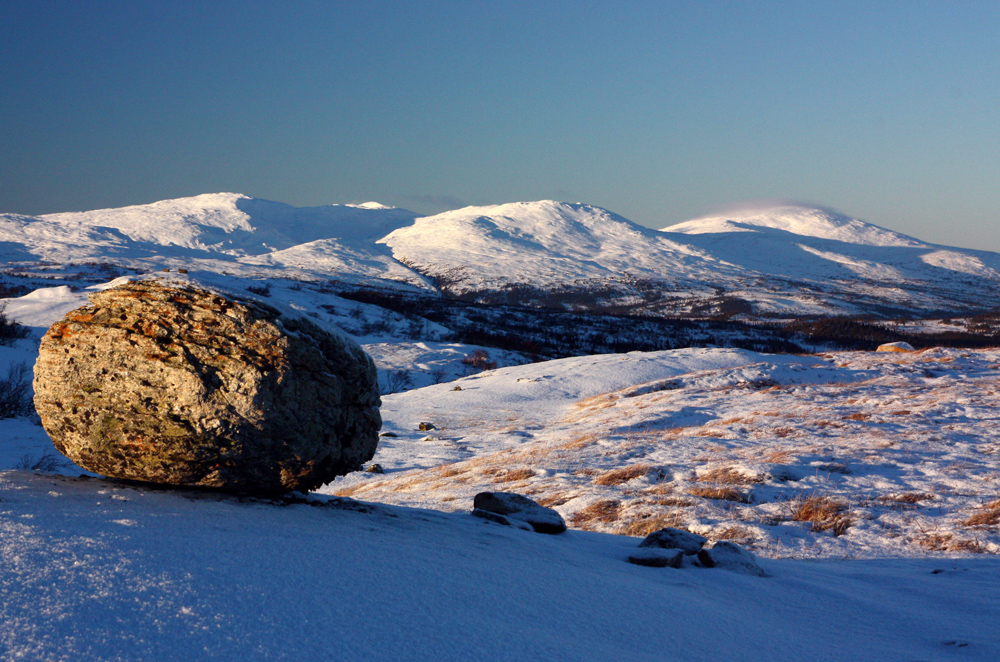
(669, 547)
(666, 548)
(178, 385)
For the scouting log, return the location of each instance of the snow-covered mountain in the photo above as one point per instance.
(548, 247)
(786, 260)
(840, 263)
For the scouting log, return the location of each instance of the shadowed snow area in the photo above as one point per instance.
(99, 571)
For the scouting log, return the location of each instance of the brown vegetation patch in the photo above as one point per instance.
(715, 434)
(622, 475)
(674, 501)
(555, 499)
(859, 416)
(581, 441)
(988, 515)
(511, 475)
(779, 457)
(449, 470)
(645, 525)
(824, 513)
(948, 542)
(736, 533)
(907, 499)
(727, 476)
(605, 510)
(718, 493)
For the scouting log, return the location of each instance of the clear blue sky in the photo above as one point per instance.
(660, 111)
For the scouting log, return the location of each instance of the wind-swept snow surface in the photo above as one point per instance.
(97, 571)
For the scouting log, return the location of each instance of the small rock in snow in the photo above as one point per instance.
(521, 508)
(656, 557)
(426, 427)
(732, 557)
(500, 519)
(671, 538)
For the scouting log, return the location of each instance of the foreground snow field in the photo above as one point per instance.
(98, 571)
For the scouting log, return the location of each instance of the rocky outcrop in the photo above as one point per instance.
(516, 510)
(170, 383)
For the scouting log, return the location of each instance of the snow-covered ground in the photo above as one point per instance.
(98, 571)
(867, 484)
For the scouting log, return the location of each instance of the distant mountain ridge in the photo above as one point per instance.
(782, 260)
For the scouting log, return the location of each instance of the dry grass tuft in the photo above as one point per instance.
(605, 510)
(727, 476)
(989, 515)
(736, 533)
(449, 470)
(906, 499)
(674, 501)
(581, 441)
(824, 513)
(643, 526)
(948, 542)
(858, 417)
(779, 457)
(622, 475)
(553, 500)
(718, 493)
(509, 475)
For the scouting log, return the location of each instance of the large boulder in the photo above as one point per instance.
(171, 383)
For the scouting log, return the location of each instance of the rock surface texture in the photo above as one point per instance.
(170, 383)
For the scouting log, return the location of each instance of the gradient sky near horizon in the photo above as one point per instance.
(662, 111)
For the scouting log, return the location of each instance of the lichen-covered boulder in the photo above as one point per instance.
(171, 383)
